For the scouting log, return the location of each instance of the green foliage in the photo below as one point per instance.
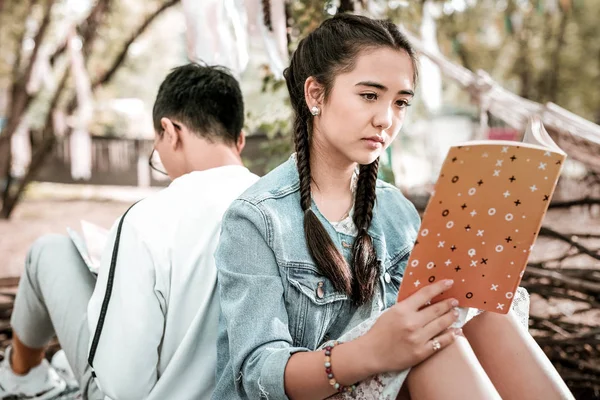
(541, 53)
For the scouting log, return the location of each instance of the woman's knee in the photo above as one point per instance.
(456, 370)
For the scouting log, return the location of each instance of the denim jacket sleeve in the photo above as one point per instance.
(252, 304)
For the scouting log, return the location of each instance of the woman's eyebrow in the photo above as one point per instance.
(383, 88)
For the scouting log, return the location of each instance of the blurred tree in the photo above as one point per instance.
(34, 27)
(543, 50)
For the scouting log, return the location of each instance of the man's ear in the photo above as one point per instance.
(241, 142)
(313, 93)
(171, 134)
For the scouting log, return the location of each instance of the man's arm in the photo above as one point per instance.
(126, 360)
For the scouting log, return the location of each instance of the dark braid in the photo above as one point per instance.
(328, 51)
(366, 268)
(321, 247)
(302, 145)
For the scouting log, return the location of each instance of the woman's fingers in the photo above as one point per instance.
(439, 325)
(434, 311)
(439, 342)
(423, 296)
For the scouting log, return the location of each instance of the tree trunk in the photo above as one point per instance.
(554, 71)
(6, 156)
(523, 67)
(19, 101)
(13, 195)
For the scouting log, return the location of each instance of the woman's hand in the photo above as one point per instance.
(405, 334)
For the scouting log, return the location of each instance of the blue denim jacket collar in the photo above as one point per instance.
(374, 231)
(292, 171)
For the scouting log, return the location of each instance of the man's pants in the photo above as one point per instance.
(52, 299)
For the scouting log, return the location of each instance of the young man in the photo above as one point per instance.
(159, 336)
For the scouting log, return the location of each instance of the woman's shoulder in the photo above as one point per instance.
(280, 182)
(273, 197)
(383, 186)
(389, 193)
(390, 200)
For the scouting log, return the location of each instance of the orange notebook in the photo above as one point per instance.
(483, 218)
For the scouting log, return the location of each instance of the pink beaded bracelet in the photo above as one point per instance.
(332, 381)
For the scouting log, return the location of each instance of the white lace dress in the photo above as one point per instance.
(387, 386)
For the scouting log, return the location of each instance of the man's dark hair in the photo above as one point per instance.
(206, 99)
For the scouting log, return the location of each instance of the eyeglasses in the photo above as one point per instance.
(154, 160)
(155, 163)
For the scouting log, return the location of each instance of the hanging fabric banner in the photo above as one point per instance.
(41, 74)
(81, 143)
(274, 36)
(217, 33)
(431, 83)
(20, 147)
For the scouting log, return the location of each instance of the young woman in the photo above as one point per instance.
(317, 249)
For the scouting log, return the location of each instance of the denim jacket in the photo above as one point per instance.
(274, 300)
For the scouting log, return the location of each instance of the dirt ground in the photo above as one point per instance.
(52, 208)
(38, 217)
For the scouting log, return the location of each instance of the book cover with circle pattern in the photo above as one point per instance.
(481, 222)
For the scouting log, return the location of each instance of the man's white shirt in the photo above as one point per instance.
(159, 336)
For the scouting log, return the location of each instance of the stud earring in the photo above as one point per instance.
(315, 110)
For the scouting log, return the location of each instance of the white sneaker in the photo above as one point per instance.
(61, 365)
(40, 383)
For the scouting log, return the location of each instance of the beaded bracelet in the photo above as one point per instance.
(332, 381)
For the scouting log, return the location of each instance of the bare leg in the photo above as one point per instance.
(512, 359)
(453, 373)
(24, 358)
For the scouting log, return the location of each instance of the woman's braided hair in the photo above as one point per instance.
(332, 49)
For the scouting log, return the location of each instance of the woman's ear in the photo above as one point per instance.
(313, 93)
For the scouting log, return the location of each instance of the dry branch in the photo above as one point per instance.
(545, 231)
(122, 55)
(586, 201)
(569, 282)
(88, 29)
